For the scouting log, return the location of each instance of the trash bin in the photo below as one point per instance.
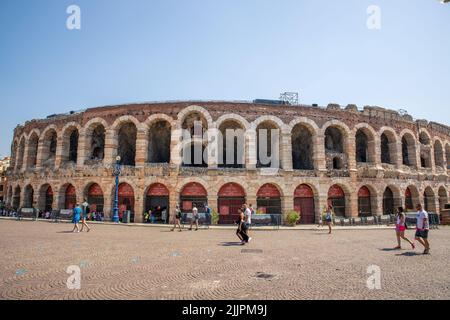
(126, 216)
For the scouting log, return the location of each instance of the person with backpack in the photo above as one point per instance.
(400, 228)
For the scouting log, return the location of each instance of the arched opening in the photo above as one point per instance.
(362, 147)
(409, 203)
(439, 154)
(268, 199)
(28, 197)
(9, 196)
(336, 198)
(231, 145)
(231, 197)
(302, 148)
(95, 141)
(68, 196)
(268, 137)
(45, 198)
(49, 148)
(388, 202)
(304, 204)
(157, 200)
(20, 154)
(193, 194)
(195, 140)
(447, 155)
(70, 145)
(337, 163)
(127, 135)
(16, 198)
(95, 199)
(408, 150)
(32, 150)
(388, 148)
(159, 142)
(364, 202)
(443, 198)
(335, 149)
(126, 200)
(429, 200)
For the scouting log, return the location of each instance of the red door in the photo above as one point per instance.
(304, 204)
(231, 197)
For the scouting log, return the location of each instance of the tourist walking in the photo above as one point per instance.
(422, 228)
(177, 218)
(400, 227)
(329, 217)
(247, 217)
(194, 218)
(241, 231)
(76, 218)
(85, 216)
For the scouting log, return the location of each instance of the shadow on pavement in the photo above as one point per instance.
(390, 249)
(408, 254)
(231, 244)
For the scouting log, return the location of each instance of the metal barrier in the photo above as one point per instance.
(267, 220)
(204, 219)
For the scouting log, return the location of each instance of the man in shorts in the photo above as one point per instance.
(195, 218)
(422, 228)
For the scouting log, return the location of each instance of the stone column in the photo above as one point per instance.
(174, 199)
(175, 147)
(111, 142)
(60, 156)
(141, 148)
(352, 212)
(25, 157)
(320, 202)
(286, 151)
(287, 205)
(351, 153)
(212, 148)
(138, 205)
(40, 154)
(252, 149)
(108, 204)
(319, 152)
(398, 154)
(82, 150)
(376, 155)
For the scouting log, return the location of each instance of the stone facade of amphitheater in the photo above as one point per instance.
(362, 161)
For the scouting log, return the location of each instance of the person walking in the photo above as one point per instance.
(422, 228)
(241, 231)
(85, 216)
(76, 218)
(177, 218)
(247, 217)
(329, 217)
(194, 218)
(400, 227)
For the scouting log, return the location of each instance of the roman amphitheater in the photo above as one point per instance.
(364, 162)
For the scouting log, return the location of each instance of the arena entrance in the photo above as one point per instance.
(193, 193)
(95, 198)
(126, 200)
(336, 198)
(231, 197)
(364, 202)
(269, 199)
(304, 204)
(157, 200)
(70, 199)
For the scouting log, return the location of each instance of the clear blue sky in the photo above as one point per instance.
(145, 50)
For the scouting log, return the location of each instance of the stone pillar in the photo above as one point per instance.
(319, 152)
(287, 205)
(286, 151)
(174, 199)
(82, 150)
(398, 154)
(432, 159)
(138, 205)
(252, 149)
(40, 154)
(108, 204)
(175, 147)
(111, 142)
(351, 153)
(377, 204)
(25, 157)
(320, 203)
(375, 145)
(352, 211)
(212, 149)
(212, 202)
(60, 156)
(141, 148)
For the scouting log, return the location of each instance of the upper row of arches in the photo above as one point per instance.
(154, 140)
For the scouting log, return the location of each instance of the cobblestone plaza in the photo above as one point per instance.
(133, 262)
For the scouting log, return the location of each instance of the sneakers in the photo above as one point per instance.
(426, 251)
(249, 239)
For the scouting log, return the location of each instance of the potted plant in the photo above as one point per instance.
(292, 218)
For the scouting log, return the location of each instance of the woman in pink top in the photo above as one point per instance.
(400, 227)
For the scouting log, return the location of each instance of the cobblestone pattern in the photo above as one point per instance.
(149, 263)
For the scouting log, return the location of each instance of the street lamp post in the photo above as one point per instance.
(117, 171)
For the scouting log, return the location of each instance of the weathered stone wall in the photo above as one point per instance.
(37, 160)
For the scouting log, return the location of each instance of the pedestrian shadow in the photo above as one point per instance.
(231, 244)
(408, 254)
(65, 232)
(389, 249)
